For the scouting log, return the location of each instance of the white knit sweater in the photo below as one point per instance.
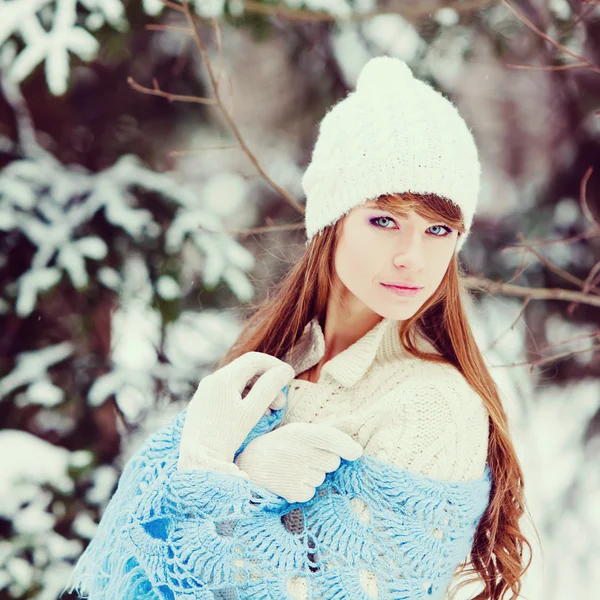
(413, 413)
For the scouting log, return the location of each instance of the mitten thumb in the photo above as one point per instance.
(279, 401)
(277, 404)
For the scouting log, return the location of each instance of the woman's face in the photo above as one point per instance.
(376, 248)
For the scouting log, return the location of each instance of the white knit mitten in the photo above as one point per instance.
(218, 418)
(292, 460)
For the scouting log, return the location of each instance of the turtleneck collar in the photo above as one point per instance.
(350, 365)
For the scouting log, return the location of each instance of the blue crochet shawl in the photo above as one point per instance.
(207, 535)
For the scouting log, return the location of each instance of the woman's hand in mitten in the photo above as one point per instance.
(219, 417)
(293, 460)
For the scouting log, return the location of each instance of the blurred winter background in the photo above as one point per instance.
(137, 228)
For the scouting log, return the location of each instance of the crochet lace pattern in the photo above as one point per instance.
(207, 535)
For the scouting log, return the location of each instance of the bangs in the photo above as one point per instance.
(428, 206)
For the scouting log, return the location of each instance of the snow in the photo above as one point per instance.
(40, 181)
(52, 46)
(31, 283)
(197, 338)
(33, 462)
(224, 193)
(567, 213)
(28, 483)
(446, 16)
(32, 367)
(109, 277)
(51, 30)
(44, 392)
(135, 338)
(560, 8)
(47, 420)
(167, 288)
(84, 525)
(52, 206)
(395, 36)
(104, 482)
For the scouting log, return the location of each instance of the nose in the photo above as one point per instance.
(409, 248)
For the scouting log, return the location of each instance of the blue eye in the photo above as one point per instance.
(444, 228)
(379, 219)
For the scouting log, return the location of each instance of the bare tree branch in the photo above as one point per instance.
(508, 289)
(415, 11)
(176, 28)
(173, 5)
(582, 60)
(556, 269)
(550, 359)
(227, 116)
(156, 91)
(217, 100)
(200, 150)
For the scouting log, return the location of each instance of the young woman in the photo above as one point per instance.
(392, 423)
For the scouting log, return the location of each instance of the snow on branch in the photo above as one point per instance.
(33, 32)
(51, 204)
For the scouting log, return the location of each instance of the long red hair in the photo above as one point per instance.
(277, 322)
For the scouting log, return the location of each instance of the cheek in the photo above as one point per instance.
(355, 264)
(438, 260)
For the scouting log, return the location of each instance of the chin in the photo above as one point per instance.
(398, 313)
(405, 314)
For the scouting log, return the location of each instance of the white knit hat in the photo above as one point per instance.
(393, 134)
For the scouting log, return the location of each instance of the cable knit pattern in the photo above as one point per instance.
(415, 414)
(207, 535)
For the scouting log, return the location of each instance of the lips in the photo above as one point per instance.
(403, 286)
(402, 291)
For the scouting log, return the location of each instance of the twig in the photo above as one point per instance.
(176, 28)
(583, 202)
(509, 289)
(590, 283)
(557, 270)
(549, 67)
(596, 281)
(578, 338)
(585, 14)
(526, 301)
(156, 91)
(198, 150)
(574, 238)
(172, 5)
(521, 268)
(550, 359)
